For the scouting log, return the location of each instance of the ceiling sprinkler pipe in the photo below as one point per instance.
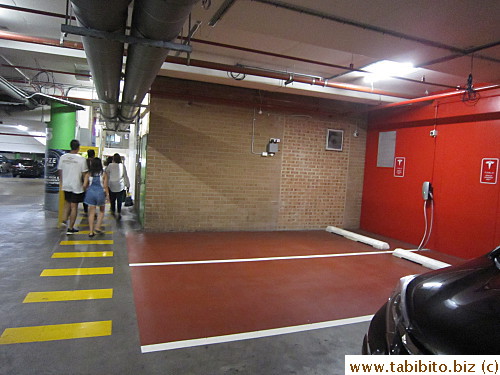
(278, 75)
(434, 97)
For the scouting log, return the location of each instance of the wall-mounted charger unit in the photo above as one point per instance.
(427, 191)
(428, 196)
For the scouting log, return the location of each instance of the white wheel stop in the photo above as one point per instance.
(433, 264)
(359, 238)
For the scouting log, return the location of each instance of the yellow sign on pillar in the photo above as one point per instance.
(61, 208)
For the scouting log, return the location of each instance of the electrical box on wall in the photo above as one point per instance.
(272, 146)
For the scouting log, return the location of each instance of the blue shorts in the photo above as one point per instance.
(95, 197)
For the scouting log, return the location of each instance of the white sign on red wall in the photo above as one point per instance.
(489, 170)
(399, 166)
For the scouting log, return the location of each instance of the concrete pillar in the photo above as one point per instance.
(60, 132)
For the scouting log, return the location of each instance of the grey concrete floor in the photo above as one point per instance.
(28, 237)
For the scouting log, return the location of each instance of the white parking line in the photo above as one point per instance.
(252, 335)
(178, 263)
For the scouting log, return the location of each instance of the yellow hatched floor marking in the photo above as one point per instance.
(77, 271)
(106, 220)
(86, 254)
(56, 332)
(87, 232)
(68, 295)
(88, 242)
(85, 224)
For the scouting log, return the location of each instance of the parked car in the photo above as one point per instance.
(453, 310)
(27, 168)
(5, 164)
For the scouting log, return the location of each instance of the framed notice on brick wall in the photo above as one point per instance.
(334, 139)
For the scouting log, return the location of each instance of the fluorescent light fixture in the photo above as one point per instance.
(38, 134)
(41, 140)
(385, 69)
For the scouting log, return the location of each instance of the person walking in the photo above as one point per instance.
(108, 161)
(96, 195)
(72, 168)
(90, 156)
(118, 181)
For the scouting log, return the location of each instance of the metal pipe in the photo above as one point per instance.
(17, 69)
(152, 19)
(16, 93)
(56, 99)
(210, 65)
(105, 57)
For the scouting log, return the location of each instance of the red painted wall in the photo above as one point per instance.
(466, 212)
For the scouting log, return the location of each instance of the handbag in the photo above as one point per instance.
(128, 200)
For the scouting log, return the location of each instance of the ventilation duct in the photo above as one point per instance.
(152, 19)
(157, 20)
(23, 100)
(20, 97)
(105, 57)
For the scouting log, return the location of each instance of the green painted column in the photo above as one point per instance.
(60, 132)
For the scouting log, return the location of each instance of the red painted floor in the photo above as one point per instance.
(182, 302)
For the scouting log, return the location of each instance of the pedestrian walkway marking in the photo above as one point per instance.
(68, 295)
(87, 232)
(83, 254)
(56, 332)
(106, 220)
(77, 271)
(88, 242)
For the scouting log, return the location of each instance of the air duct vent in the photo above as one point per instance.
(82, 72)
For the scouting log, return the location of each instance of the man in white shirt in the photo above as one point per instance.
(117, 182)
(72, 168)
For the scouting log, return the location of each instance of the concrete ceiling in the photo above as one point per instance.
(446, 40)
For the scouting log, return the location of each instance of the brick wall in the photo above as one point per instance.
(316, 182)
(202, 175)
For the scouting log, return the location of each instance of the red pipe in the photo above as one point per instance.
(23, 135)
(6, 35)
(215, 66)
(300, 59)
(35, 11)
(433, 97)
(277, 75)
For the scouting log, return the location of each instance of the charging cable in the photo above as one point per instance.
(428, 226)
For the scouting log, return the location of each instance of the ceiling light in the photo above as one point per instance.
(37, 134)
(386, 69)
